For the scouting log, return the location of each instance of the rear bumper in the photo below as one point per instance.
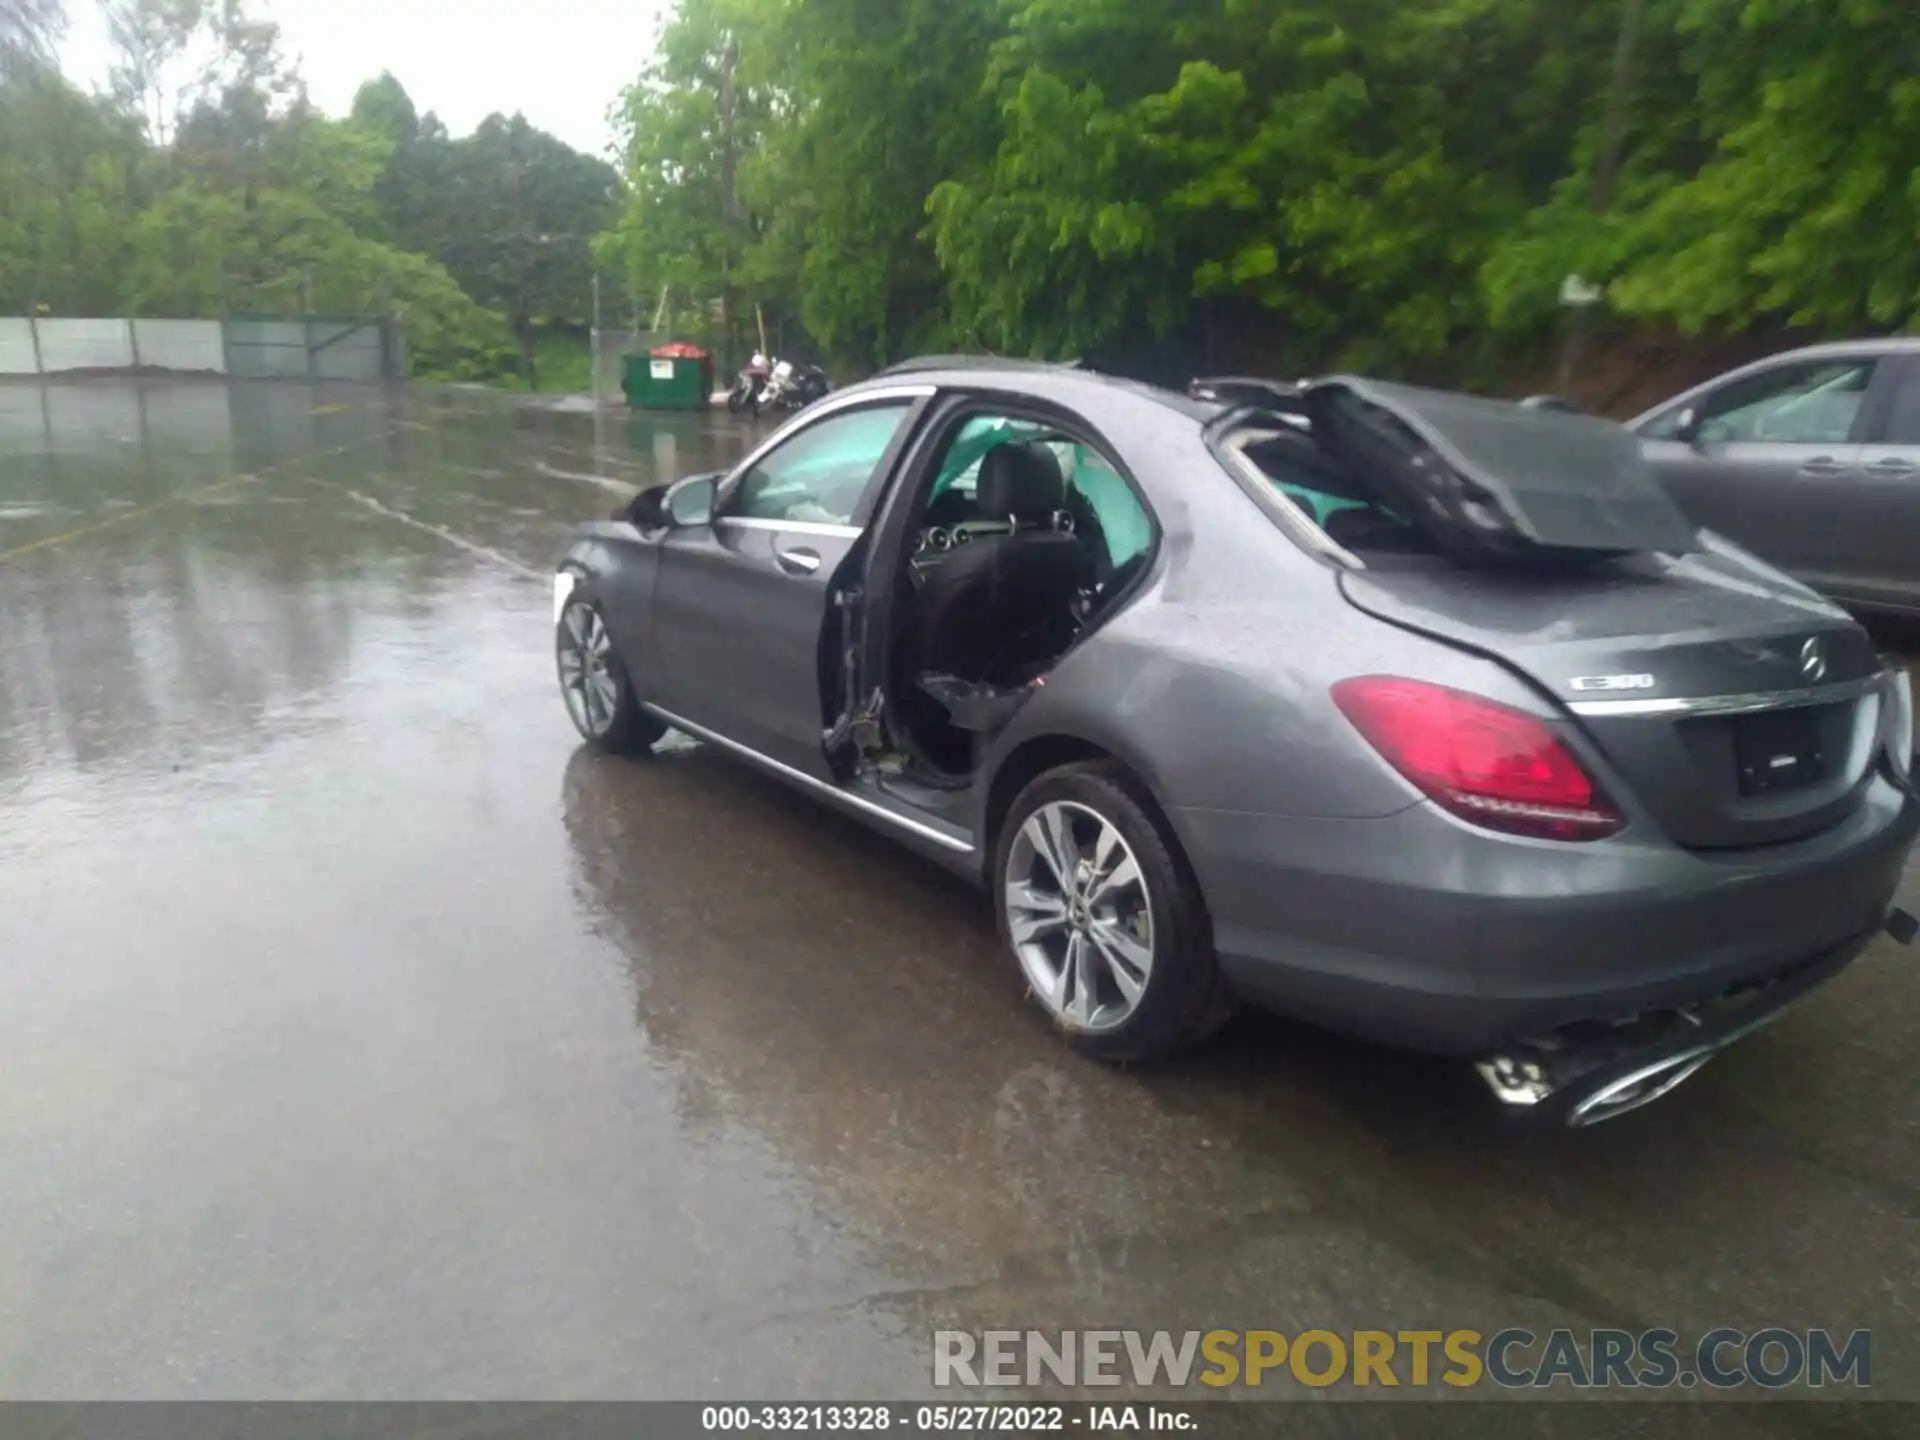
(1418, 930)
(1596, 1072)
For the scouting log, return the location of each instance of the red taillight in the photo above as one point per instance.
(1485, 762)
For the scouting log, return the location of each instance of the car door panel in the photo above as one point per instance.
(1776, 500)
(738, 611)
(1879, 526)
(741, 604)
(1775, 457)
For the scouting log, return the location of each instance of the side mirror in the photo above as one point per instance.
(1687, 428)
(648, 509)
(690, 502)
(680, 505)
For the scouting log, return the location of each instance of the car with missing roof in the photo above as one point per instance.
(1413, 715)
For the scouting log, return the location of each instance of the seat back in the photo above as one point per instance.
(984, 596)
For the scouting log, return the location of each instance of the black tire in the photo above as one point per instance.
(622, 728)
(1185, 999)
(736, 402)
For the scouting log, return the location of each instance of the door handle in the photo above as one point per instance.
(799, 561)
(1823, 465)
(1890, 467)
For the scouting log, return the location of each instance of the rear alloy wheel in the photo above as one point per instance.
(593, 682)
(1105, 918)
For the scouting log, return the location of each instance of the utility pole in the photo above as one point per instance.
(729, 60)
(1612, 140)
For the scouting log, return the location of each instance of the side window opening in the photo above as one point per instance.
(820, 475)
(1125, 528)
(1295, 467)
(1811, 404)
(1025, 533)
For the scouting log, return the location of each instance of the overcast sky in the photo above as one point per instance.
(563, 62)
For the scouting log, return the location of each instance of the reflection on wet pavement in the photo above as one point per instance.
(362, 1036)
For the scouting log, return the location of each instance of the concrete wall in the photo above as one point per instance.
(47, 347)
(85, 345)
(180, 345)
(250, 348)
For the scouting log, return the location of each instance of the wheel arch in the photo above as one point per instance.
(1033, 757)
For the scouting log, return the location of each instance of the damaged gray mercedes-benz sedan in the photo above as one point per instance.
(1422, 717)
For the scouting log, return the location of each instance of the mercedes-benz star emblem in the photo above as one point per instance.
(1813, 660)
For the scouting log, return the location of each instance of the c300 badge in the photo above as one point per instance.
(1612, 682)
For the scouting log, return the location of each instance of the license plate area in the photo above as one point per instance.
(1778, 750)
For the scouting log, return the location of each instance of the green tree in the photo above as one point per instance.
(1394, 184)
(694, 119)
(1766, 180)
(287, 219)
(521, 212)
(1808, 209)
(27, 31)
(383, 106)
(1341, 166)
(880, 98)
(68, 197)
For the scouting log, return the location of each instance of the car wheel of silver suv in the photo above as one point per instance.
(1104, 918)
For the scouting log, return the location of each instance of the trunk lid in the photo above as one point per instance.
(1739, 708)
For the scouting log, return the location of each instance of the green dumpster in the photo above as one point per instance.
(673, 377)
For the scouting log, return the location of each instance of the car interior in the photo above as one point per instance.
(1300, 470)
(1024, 538)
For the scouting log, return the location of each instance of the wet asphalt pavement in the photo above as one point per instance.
(361, 1036)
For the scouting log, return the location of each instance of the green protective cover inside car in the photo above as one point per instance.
(1318, 503)
(1122, 519)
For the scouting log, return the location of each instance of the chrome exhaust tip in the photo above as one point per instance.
(1523, 1084)
(1638, 1087)
(1515, 1082)
(1590, 1072)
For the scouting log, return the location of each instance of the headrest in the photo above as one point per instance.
(1021, 479)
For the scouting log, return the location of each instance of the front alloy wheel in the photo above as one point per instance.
(599, 697)
(1103, 915)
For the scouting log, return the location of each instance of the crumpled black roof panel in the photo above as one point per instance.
(1561, 480)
